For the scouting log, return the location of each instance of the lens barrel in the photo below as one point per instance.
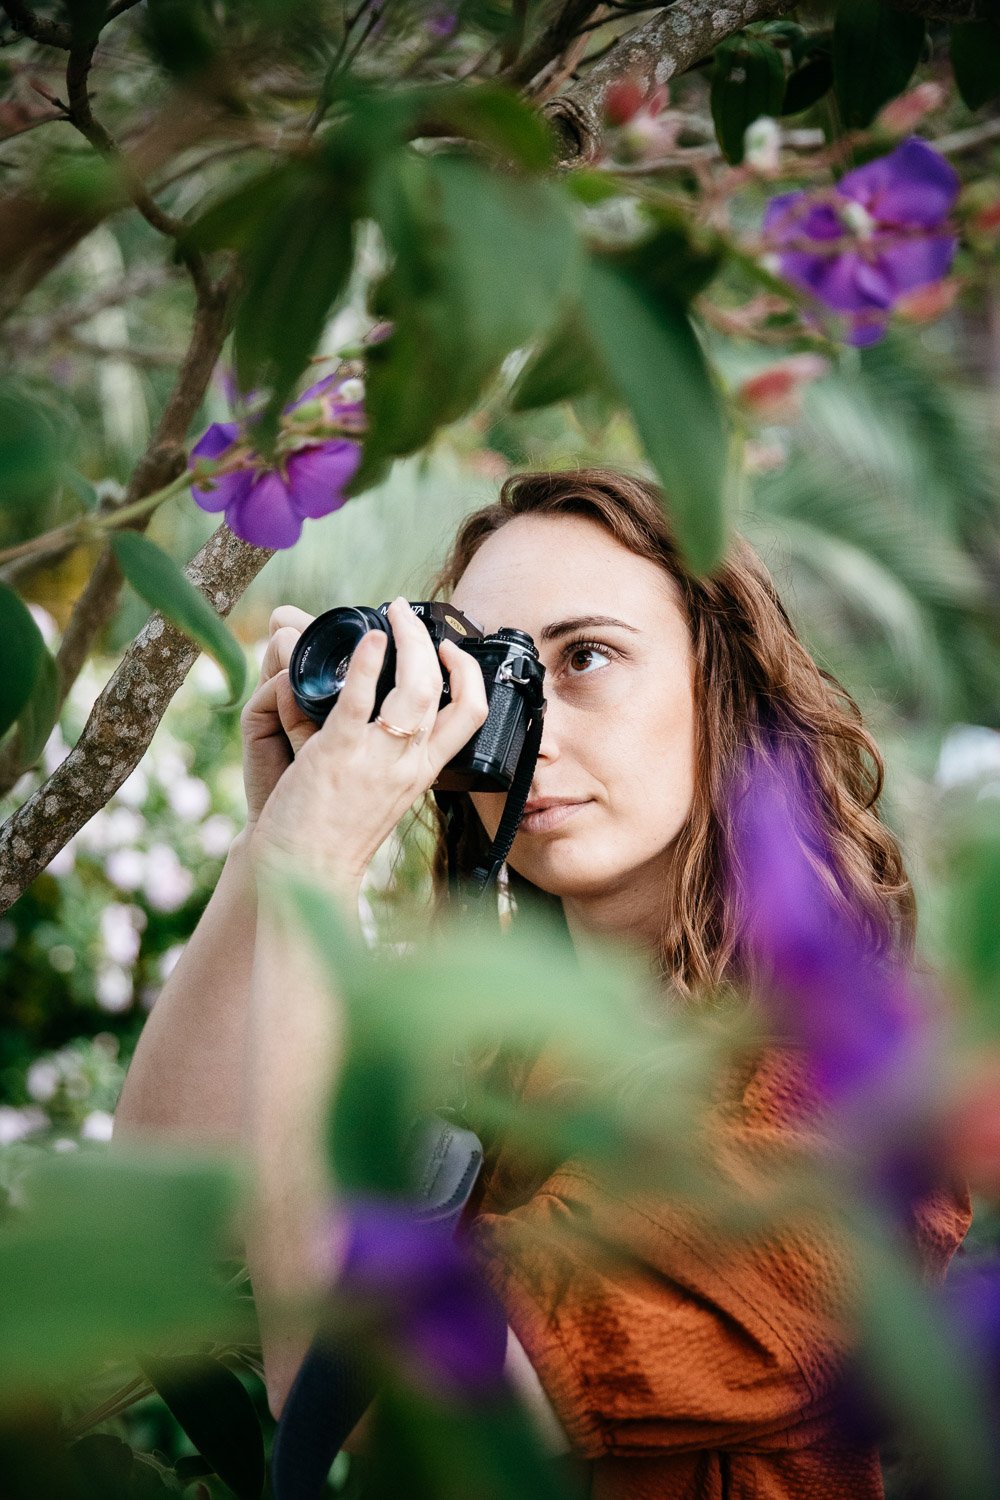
(323, 652)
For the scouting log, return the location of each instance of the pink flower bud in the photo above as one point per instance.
(623, 99)
(775, 395)
(904, 114)
(929, 302)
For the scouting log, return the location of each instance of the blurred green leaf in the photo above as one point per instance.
(29, 450)
(156, 578)
(975, 61)
(497, 117)
(919, 1375)
(214, 1408)
(112, 1255)
(973, 910)
(483, 265)
(808, 84)
(372, 1113)
(875, 50)
(293, 230)
(23, 654)
(182, 35)
(748, 80)
(564, 366)
(440, 1451)
(652, 355)
(38, 717)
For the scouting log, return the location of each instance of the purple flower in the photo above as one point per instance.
(851, 1006)
(441, 24)
(267, 506)
(443, 1320)
(863, 245)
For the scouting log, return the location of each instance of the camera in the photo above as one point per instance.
(511, 671)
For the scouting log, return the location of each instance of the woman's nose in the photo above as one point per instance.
(549, 747)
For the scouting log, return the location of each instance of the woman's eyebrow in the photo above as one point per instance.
(581, 622)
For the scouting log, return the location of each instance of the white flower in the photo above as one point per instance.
(123, 826)
(169, 760)
(216, 834)
(134, 789)
(97, 1126)
(969, 751)
(15, 1124)
(65, 1144)
(42, 1080)
(126, 868)
(207, 676)
(113, 989)
(166, 884)
(120, 927)
(63, 861)
(189, 797)
(763, 146)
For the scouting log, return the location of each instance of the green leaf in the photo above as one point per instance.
(875, 50)
(29, 450)
(748, 80)
(499, 118)
(564, 366)
(38, 717)
(111, 1256)
(808, 84)
(370, 1119)
(181, 35)
(651, 353)
(484, 264)
(212, 1405)
(157, 579)
(21, 656)
(973, 912)
(293, 230)
(975, 61)
(920, 1376)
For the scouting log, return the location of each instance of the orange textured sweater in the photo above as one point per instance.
(689, 1370)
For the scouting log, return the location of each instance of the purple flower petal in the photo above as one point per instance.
(227, 490)
(915, 261)
(443, 1318)
(796, 217)
(215, 440)
(867, 328)
(317, 476)
(264, 515)
(913, 185)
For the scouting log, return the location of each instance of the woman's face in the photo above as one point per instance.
(618, 741)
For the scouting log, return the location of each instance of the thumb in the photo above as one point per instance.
(297, 725)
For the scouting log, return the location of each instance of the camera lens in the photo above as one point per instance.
(323, 654)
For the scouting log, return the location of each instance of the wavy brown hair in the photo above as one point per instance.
(755, 685)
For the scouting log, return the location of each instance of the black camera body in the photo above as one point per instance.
(511, 671)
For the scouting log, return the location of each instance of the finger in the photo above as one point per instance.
(458, 721)
(271, 709)
(278, 652)
(289, 614)
(418, 686)
(354, 706)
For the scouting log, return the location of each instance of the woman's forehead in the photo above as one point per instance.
(549, 568)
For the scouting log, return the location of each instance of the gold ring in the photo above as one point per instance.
(416, 735)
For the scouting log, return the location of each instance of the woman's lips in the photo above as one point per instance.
(548, 818)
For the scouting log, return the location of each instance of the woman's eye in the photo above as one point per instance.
(579, 657)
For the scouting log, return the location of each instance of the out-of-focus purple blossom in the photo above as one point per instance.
(441, 24)
(267, 506)
(443, 1320)
(862, 245)
(868, 1035)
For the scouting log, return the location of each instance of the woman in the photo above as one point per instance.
(687, 1372)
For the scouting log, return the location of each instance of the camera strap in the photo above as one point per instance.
(486, 873)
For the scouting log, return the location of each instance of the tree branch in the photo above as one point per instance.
(670, 43)
(38, 28)
(162, 461)
(122, 721)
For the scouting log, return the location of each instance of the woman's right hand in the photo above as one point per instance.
(351, 781)
(274, 727)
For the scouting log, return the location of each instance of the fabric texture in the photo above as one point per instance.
(683, 1367)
